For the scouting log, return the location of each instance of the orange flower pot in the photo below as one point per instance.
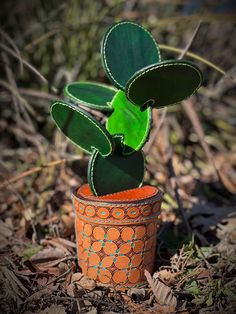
(116, 234)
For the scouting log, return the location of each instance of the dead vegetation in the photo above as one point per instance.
(192, 158)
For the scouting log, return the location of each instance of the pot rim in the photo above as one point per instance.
(157, 195)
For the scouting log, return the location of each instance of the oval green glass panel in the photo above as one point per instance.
(115, 172)
(126, 48)
(92, 95)
(164, 84)
(130, 122)
(81, 128)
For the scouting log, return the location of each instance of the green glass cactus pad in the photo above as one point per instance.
(92, 95)
(129, 121)
(115, 172)
(164, 84)
(81, 128)
(126, 48)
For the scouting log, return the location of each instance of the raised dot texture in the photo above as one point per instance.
(113, 234)
(94, 259)
(88, 229)
(140, 232)
(138, 246)
(103, 212)
(122, 262)
(104, 276)
(90, 211)
(127, 234)
(98, 233)
(120, 276)
(134, 275)
(92, 273)
(110, 248)
(118, 213)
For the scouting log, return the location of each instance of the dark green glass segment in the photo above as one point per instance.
(164, 84)
(93, 95)
(126, 48)
(81, 128)
(115, 172)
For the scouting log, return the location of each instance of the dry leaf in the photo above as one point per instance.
(228, 228)
(163, 309)
(137, 294)
(5, 230)
(162, 292)
(63, 244)
(46, 265)
(203, 273)
(54, 309)
(76, 277)
(68, 222)
(47, 254)
(71, 290)
(85, 283)
(14, 282)
(166, 275)
(39, 294)
(68, 244)
(93, 311)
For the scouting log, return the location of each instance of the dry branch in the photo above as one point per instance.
(35, 170)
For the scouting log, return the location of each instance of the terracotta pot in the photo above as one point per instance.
(116, 234)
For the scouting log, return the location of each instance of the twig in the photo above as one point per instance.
(193, 116)
(173, 178)
(59, 277)
(14, 92)
(18, 101)
(164, 112)
(27, 64)
(11, 42)
(158, 125)
(35, 170)
(41, 38)
(196, 57)
(183, 53)
(37, 94)
(175, 187)
(11, 82)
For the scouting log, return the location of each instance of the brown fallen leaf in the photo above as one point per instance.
(68, 222)
(203, 273)
(54, 309)
(71, 290)
(53, 263)
(76, 277)
(166, 275)
(67, 243)
(163, 293)
(85, 283)
(46, 255)
(163, 309)
(38, 295)
(137, 294)
(13, 281)
(56, 244)
(67, 246)
(6, 230)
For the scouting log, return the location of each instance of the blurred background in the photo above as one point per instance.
(47, 44)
